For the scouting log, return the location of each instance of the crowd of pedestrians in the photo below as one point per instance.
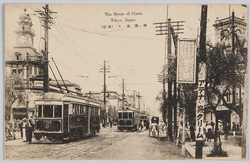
(24, 126)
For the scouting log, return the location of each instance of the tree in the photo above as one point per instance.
(223, 76)
(14, 86)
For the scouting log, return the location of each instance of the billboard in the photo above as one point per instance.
(186, 61)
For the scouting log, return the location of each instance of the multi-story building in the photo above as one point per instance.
(24, 63)
(234, 97)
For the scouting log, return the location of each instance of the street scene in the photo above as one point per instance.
(125, 82)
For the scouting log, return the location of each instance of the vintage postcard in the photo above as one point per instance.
(125, 82)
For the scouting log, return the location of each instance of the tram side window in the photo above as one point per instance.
(73, 109)
(84, 109)
(96, 111)
(58, 111)
(80, 109)
(130, 115)
(48, 111)
(120, 115)
(39, 111)
(125, 115)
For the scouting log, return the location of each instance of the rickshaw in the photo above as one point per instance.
(154, 127)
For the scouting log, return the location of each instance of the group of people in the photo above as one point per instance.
(25, 126)
(209, 131)
(143, 124)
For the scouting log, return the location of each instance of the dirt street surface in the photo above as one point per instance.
(109, 144)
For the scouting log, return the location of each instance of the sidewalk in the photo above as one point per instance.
(231, 146)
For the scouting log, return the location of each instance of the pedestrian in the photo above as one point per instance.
(234, 129)
(212, 124)
(24, 129)
(142, 125)
(29, 127)
(111, 123)
(226, 129)
(21, 127)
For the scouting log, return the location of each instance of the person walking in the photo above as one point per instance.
(29, 131)
(142, 125)
(24, 128)
(234, 129)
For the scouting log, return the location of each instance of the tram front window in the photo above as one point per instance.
(125, 115)
(130, 115)
(58, 111)
(39, 111)
(48, 111)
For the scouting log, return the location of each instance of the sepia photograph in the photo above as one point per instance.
(125, 81)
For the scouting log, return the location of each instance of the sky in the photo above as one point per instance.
(79, 41)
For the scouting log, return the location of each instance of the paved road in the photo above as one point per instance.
(109, 144)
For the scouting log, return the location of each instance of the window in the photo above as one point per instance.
(39, 111)
(96, 111)
(81, 109)
(58, 111)
(76, 109)
(120, 115)
(18, 56)
(125, 115)
(35, 70)
(73, 109)
(84, 109)
(23, 28)
(20, 71)
(130, 115)
(48, 111)
(13, 71)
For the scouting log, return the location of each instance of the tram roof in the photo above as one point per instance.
(66, 97)
(128, 109)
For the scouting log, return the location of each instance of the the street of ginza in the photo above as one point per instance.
(109, 144)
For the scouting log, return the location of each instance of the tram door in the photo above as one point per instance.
(65, 117)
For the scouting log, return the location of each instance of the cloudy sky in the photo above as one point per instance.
(80, 40)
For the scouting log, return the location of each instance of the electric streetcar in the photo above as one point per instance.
(59, 117)
(128, 119)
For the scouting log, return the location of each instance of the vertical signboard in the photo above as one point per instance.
(186, 61)
(200, 101)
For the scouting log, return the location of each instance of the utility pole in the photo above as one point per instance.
(46, 18)
(123, 93)
(169, 29)
(105, 70)
(139, 101)
(27, 71)
(201, 87)
(133, 98)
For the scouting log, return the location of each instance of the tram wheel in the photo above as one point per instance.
(74, 135)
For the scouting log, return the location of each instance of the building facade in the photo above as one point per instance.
(231, 32)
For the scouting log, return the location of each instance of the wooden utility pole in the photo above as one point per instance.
(46, 18)
(123, 93)
(170, 29)
(105, 70)
(201, 86)
(139, 101)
